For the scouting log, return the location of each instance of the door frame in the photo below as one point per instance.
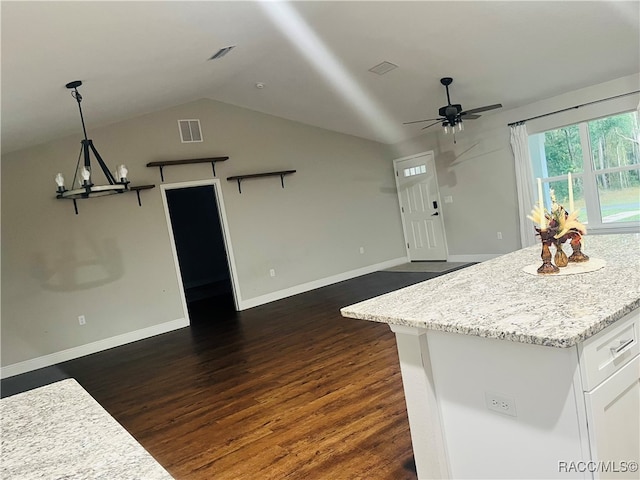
(441, 210)
(222, 216)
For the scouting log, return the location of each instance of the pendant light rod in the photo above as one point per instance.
(76, 94)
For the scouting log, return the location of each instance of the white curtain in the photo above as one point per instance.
(524, 182)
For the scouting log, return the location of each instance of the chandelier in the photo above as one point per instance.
(84, 174)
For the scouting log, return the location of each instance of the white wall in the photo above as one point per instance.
(478, 171)
(113, 261)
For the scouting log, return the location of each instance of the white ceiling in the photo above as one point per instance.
(312, 56)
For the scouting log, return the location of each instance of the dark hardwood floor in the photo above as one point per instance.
(287, 390)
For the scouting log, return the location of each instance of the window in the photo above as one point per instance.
(410, 172)
(603, 157)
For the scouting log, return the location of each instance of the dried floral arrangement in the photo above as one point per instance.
(556, 227)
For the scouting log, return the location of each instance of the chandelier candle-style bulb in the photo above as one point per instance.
(60, 182)
(460, 126)
(121, 173)
(85, 173)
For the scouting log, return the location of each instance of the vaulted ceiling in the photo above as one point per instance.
(312, 57)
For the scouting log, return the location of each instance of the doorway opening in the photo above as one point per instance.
(201, 250)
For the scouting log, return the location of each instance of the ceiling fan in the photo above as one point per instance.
(452, 114)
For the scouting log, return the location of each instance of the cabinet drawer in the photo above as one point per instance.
(609, 350)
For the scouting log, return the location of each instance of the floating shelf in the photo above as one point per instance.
(166, 163)
(137, 189)
(281, 174)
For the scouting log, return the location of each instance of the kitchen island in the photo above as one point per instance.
(512, 375)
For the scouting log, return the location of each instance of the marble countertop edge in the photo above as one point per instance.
(565, 340)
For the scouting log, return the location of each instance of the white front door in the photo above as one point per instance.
(420, 206)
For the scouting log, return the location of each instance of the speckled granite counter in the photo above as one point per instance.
(59, 431)
(496, 299)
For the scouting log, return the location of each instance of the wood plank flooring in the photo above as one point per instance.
(287, 390)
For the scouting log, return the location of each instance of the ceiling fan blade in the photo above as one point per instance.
(426, 120)
(482, 109)
(434, 123)
(464, 116)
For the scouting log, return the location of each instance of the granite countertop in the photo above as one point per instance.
(59, 431)
(496, 299)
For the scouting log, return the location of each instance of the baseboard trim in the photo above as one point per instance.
(89, 348)
(477, 257)
(323, 282)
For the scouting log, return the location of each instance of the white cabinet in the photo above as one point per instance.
(610, 371)
(576, 411)
(613, 418)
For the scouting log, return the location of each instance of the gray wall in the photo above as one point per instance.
(478, 171)
(113, 261)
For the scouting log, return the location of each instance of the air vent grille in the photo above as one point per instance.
(383, 68)
(190, 131)
(222, 52)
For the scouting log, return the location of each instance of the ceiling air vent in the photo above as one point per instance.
(222, 52)
(383, 68)
(190, 131)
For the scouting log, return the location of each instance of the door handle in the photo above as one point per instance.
(435, 214)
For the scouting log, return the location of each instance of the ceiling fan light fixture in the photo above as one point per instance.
(453, 113)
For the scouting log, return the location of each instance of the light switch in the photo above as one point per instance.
(448, 199)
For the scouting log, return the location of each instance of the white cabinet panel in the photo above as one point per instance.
(613, 416)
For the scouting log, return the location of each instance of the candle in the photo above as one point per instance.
(543, 220)
(570, 193)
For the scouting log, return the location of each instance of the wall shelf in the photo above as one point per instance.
(166, 163)
(281, 174)
(137, 189)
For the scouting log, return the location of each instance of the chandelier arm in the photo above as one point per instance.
(103, 166)
(75, 175)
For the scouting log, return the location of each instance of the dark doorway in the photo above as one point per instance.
(201, 251)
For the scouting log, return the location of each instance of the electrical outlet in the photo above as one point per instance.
(361, 250)
(81, 320)
(272, 272)
(499, 235)
(504, 404)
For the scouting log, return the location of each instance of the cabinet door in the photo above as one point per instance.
(613, 416)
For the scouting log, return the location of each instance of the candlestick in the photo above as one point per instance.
(570, 193)
(543, 220)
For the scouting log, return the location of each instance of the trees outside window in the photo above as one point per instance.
(603, 157)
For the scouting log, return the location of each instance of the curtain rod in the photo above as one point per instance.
(572, 108)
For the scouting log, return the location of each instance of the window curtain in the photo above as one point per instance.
(524, 182)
